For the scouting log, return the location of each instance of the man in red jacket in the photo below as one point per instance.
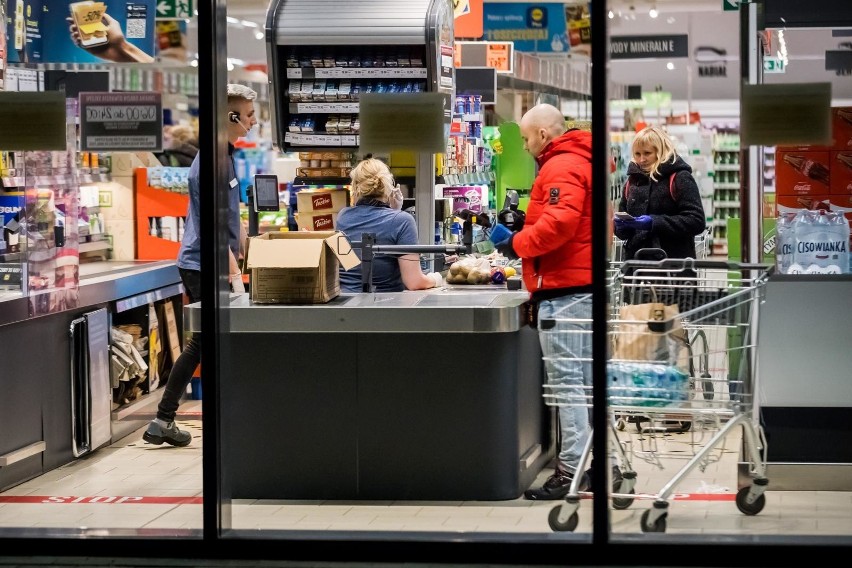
(555, 248)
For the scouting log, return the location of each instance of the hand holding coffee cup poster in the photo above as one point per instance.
(120, 31)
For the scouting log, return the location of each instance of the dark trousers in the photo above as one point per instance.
(190, 357)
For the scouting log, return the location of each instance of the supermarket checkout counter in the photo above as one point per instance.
(431, 395)
(42, 426)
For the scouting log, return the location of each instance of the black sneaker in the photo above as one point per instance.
(617, 478)
(171, 434)
(557, 486)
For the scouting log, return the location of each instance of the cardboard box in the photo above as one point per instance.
(801, 173)
(795, 203)
(321, 200)
(298, 267)
(841, 173)
(841, 127)
(316, 221)
(467, 197)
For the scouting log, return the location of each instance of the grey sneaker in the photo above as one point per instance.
(171, 434)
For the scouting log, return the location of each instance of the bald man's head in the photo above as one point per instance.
(541, 124)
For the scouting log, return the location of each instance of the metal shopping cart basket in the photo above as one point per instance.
(652, 372)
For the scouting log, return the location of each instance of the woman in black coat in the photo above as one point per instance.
(662, 197)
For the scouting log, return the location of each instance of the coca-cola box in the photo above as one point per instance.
(795, 203)
(298, 267)
(841, 127)
(801, 173)
(841, 173)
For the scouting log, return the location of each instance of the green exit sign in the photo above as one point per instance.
(773, 65)
(730, 5)
(173, 9)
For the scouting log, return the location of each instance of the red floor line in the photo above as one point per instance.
(152, 500)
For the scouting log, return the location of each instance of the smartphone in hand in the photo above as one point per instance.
(623, 216)
(87, 16)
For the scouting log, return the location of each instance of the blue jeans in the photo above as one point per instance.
(567, 350)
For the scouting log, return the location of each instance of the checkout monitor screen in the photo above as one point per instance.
(266, 193)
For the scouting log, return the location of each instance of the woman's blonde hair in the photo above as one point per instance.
(183, 134)
(656, 138)
(371, 179)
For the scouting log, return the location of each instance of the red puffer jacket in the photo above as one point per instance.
(555, 244)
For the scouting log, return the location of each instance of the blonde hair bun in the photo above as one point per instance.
(371, 179)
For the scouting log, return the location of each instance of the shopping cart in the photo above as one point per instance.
(666, 369)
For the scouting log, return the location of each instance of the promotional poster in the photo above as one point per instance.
(119, 31)
(532, 27)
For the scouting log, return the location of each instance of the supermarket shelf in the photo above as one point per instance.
(16, 181)
(319, 140)
(302, 180)
(318, 107)
(475, 178)
(726, 167)
(727, 204)
(726, 186)
(95, 245)
(94, 178)
(356, 73)
(726, 149)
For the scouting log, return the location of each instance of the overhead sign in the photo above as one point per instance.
(648, 46)
(730, 5)
(174, 9)
(121, 122)
(773, 65)
(532, 27)
(468, 18)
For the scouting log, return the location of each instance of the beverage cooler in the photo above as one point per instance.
(324, 54)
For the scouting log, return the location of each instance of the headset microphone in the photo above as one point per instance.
(235, 118)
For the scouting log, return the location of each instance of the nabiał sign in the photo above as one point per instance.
(648, 47)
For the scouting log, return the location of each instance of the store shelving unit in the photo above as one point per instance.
(318, 71)
(726, 188)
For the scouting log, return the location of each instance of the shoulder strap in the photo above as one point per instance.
(672, 186)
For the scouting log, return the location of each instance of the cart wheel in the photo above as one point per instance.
(621, 503)
(752, 508)
(683, 426)
(620, 425)
(659, 526)
(568, 526)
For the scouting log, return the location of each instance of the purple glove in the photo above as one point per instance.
(641, 223)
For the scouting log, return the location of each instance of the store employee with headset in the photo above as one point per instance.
(241, 119)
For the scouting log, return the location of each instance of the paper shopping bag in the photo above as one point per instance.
(635, 340)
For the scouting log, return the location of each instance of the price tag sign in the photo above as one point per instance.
(293, 73)
(499, 56)
(121, 122)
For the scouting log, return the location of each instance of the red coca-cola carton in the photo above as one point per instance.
(842, 204)
(795, 203)
(841, 128)
(841, 173)
(802, 173)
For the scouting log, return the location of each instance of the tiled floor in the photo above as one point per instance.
(132, 484)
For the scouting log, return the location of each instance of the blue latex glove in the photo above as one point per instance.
(641, 223)
(505, 248)
(500, 233)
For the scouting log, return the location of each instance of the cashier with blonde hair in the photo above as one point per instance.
(376, 208)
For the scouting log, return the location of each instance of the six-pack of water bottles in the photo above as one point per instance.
(813, 242)
(646, 384)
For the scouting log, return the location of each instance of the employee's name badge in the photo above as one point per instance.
(234, 182)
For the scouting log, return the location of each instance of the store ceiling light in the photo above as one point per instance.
(249, 24)
(653, 12)
(259, 35)
(611, 14)
(670, 66)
